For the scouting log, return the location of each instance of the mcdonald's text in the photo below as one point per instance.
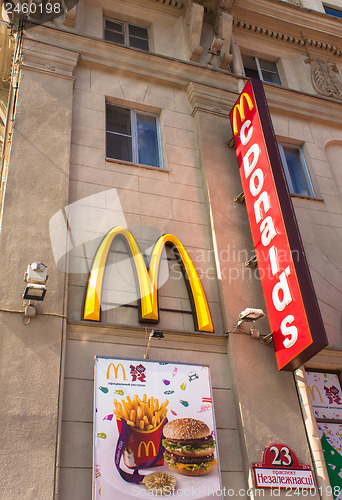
(272, 222)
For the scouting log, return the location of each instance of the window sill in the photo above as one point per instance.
(303, 197)
(140, 165)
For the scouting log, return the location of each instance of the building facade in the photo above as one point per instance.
(116, 115)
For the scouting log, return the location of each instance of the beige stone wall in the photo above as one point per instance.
(83, 343)
(168, 200)
(320, 220)
(36, 186)
(166, 29)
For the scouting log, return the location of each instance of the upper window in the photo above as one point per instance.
(266, 71)
(132, 136)
(126, 34)
(296, 171)
(332, 12)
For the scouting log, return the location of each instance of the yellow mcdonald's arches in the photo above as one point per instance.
(116, 370)
(147, 280)
(147, 448)
(240, 108)
(312, 390)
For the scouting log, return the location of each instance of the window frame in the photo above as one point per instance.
(304, 169)
(126, 34)
(134, 135)
(259, 69)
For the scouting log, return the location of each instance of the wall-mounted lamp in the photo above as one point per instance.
(155, 334)
(35, 277)
(246, 321)
(249, 315)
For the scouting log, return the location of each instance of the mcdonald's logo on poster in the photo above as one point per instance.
(116, 370)
(147, 280)
(146, 447)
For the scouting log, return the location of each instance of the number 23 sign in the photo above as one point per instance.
(280, 468)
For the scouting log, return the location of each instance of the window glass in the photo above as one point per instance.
(118, 120)
(269, 71)
(147, 140)
(126, 34)
(119, 147)
(114, 32)
(295, 167)
(132, 136)
(261, 69)
(332, 12)
(251, 70)
(296, 171)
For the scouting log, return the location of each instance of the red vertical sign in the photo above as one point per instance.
(291, 302)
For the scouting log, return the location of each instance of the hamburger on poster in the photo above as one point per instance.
(189, 447)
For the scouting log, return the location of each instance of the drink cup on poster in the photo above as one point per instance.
(142, 445)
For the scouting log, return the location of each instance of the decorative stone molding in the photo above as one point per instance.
(296, 2)
(70, 17)
(171, 3)
(225, 4)
(325, 78)
(210, 100)
(224, 28)
(194, 20)
(48, 58)
(308, 42)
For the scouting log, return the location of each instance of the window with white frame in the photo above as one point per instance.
(296, 170)
(332, 11)
(264, 70)
(133, 136)
(126, 34)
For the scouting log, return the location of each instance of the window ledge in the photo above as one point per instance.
(314, 198)
(140, 165)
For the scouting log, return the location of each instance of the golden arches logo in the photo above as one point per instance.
(239, 108)
(147, 448)
(147, 281)
(116, 370)
(312, 390)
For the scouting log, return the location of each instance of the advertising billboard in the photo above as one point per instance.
(154, 430)
(291, 302)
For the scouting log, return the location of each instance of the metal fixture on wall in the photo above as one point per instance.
(155, 334)
(246, 321)
(35, 277)
(215, 47)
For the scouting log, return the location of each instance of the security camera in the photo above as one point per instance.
(216, 46)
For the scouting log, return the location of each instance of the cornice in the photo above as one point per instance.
(328, 359)
(289, 23)
(99, 51)
(118, 334)
(303, 41)
(49, 58)
(280, 100)
(212, 90)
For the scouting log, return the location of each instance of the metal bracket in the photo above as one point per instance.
(240, 198)
(251, 262)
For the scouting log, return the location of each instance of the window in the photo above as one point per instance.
(132, 136)
(126, 34)
(332, 12)
(296, 171)
(326, 397)
(266, 71)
